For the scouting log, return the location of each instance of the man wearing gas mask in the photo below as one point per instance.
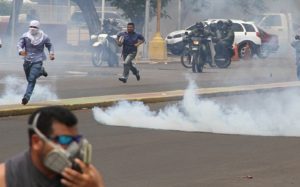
(31, 46)
(58, 156)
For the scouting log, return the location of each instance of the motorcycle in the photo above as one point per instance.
(105, 49)
(223, 55)
(185, 57)
(197, 52)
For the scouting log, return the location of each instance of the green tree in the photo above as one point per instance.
(135, 10)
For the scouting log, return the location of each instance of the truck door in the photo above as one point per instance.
(276, 24)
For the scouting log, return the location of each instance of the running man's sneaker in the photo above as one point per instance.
(138, 77)
(123, 79)
(24, 101)
(44, 72)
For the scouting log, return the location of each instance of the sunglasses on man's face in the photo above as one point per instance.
(66, 139)
(33, 27)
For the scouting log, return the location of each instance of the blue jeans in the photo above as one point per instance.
(33, 72)
(128, 65)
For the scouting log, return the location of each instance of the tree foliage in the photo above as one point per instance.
(135, 10)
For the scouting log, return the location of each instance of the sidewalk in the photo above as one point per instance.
(78, 55)
(154, 97)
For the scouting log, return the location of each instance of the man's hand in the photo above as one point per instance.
(120, 41)
(51, 56)
(89, 177)
(23, 53)
(138, 43)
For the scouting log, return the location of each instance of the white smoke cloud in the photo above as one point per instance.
(277, 115)
(14, 89)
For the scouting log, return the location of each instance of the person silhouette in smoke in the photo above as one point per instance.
(31, 46)
(296, 44)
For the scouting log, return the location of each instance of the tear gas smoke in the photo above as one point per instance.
(15, 89)
(278, 115)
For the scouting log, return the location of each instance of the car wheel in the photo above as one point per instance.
(245, 51)
(186, 60)
(97, 57)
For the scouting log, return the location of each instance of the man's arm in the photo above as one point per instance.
(229, 37)
(21, 47)
(120, 42)
(141, 40)
(49, 46)
(2, 175)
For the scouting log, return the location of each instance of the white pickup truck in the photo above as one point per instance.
(279, 24)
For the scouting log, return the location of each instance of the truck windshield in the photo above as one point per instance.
(271, 20)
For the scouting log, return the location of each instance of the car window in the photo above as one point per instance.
(249, 27)
(236, 27)
(272, 20)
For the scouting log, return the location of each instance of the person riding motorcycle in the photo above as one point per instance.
(224, 38)
(200, 31)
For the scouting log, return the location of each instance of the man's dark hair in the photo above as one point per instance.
(131, 23)
(48, 115)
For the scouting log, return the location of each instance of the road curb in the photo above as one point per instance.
(154, 97)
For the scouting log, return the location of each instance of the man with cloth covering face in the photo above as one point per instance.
(31, 46)
(52, 130)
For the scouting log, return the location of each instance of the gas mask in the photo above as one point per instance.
(59, 158)
(33, 31)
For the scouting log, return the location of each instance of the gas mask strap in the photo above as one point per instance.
(39, 133)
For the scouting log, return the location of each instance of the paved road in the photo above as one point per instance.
(134, 157)
(69, 79)
(144, 157)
